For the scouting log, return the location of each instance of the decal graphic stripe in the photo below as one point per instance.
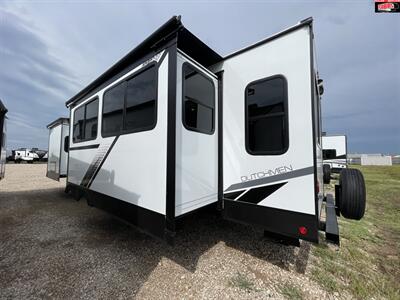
(233, 195)
(270, 179)
(256, 195)
(97, 162)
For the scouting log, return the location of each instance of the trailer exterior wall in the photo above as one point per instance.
(286, 179)
(273, 58)
(132, 164)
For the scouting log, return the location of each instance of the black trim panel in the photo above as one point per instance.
(93, 146)
(272, 219)
(147, 220)
(171, 143)
(220, 142)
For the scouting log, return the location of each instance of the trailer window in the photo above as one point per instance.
(91, 114)
(131, 105)
(141, 96)
(198, 101)
(85, 122)
(79, 119)
(113, 110)
(266, 116)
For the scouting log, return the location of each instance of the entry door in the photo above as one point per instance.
(196, 136)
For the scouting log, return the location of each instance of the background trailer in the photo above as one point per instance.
(3, 136)
(173, 127)
(336, 143)
(57, 163)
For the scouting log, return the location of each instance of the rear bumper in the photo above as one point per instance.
(274, 220)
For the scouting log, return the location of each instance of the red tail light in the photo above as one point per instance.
(303, 230)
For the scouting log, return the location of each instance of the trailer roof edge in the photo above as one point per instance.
(61, 120)
(305, 22)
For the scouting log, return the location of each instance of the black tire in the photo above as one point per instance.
(327, 173)
(352, 194)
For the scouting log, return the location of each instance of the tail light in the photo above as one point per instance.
(303, 230)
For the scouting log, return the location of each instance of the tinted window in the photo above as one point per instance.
(198, 101)
(113, 109)
(79, 119)
(91, 120)
(266, 118)
(141, 96)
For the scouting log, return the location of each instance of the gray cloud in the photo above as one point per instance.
(33, 83)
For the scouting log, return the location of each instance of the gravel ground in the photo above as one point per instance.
(54, 247)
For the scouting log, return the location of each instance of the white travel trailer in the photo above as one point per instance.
(57, 156)
(173, 127)
(3, 136)
(337, 144)
(24, 154)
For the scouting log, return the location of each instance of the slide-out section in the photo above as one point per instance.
(196, 136)
(268, 137)
(57, 163)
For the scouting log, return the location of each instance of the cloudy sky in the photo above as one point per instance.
(51, 50)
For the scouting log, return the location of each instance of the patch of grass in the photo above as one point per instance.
(291, 292)
(367, 263)
(242, 282)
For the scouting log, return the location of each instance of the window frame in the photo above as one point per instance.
(183, 100)
(84, 104)
(285, 114)
(141, 129)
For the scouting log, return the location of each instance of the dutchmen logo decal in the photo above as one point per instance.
(269, 179)
(256, 190)
(97, 162)
(267, 173)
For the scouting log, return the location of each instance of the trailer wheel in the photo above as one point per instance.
(352, 198)
(327, 173)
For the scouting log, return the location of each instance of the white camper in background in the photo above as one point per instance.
(338, 145)
(173, 127)
(24, 154)
(57, 156)
(3, 136)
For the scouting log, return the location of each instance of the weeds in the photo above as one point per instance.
(291, 292)
(367, 263)
(242, 282)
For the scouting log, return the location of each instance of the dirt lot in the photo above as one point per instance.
(54, 247)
